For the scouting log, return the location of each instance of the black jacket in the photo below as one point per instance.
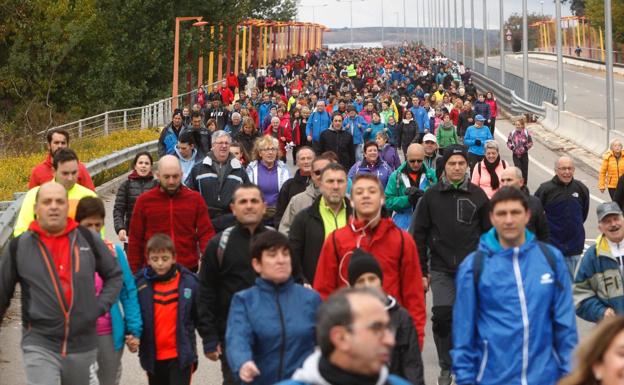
(306, 236)
(618, 197)
(449, 221)
(247, 141)
(538, 224)
(406, 359)
(407, 133)
(340, 142)
(126, 196)
(202, 136)
(463, 123)
(290, 188)
(219, 282)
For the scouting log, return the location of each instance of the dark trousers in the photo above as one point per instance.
(612, 192)
(492, 125)
(168, 372)
(522, 162)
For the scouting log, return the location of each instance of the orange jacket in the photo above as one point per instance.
(611, 170)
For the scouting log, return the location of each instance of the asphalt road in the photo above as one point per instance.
(542, 161)
(585, 89)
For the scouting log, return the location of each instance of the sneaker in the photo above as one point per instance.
(445, 378)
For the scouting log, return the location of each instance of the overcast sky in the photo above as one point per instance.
(367, 13)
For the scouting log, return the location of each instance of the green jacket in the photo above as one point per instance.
(446, 136)
(396, 200)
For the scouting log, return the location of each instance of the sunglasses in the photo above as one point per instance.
(415, 160)
(317, 172)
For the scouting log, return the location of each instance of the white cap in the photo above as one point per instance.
(430, 138)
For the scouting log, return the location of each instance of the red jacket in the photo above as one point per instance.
(227, 97)
(231, 80)
(402, 277)
(183, 217)
(43, 172)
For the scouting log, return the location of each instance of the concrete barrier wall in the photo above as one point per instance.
(582, 131)
(576, 62)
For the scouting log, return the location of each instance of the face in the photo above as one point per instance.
(143, 165)
(367, 198)
(248, 206)
(236, 151)
(170, 177)
(186, 111)
(304, 161)
(58, 141)
(268, 154)
(616, 147)
(612, 226)
(337, 123)
(275, 124)
(196, 122)
(274, 265)
(372, 154)
(93, 223)
(368, 280)
(565, 170)
(481, 98)
(369, 340)
(51, 208)
(333, 186)
(510, 219)
(430, 147)
(248, 129)
(611, 368)
(320, 106)
(67, 174)
(376, 118)
(380, 141)
(221, 148)
(161, 261)
(455, 168)
(317, 167)
(177, 120)
(478, 123)
(509, 178)
(491, 154)
(186, 150)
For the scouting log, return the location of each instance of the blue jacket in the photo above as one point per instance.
(472, 134)
(598, 283)
(263, 111)
(185, 323)
(129, 321)
(519, 326)
(309, 374)
(317, 123)
(566, 208)
(375, 128)
(421, 117)
(272, 326)
(381, 170)
(356, 127)
(168, 140)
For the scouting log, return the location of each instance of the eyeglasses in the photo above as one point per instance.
(415, 160)
(269, 149)
(317, 172)
(378, 328)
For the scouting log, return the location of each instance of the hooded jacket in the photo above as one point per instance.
(567, 207)
(168, 140)
(318, 122)
(446, 135)
(183, 216)
(401, 271)
(516, 325)
(380, 169)
(126, 197)
(286, 336)
(598, 283)
(44, 172)
(448, 222)
(611, 169)
(49, 319)
(309, 374)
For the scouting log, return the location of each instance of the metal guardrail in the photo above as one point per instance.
(95, 167)
(585, 59)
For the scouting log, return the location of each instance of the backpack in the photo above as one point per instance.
(479, 261)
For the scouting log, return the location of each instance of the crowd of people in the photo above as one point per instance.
(320, 276)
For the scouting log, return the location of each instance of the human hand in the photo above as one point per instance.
(214, 356)
(123, 236)
(133, 343)
(477, 142)
(602, 190)
(369, 129)
(609, 313)
(425, 281)
(248, 371)
(309, 138)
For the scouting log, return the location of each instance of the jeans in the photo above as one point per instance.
(572, 262)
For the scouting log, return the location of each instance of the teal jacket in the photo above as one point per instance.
(397, 200)
(129, 320)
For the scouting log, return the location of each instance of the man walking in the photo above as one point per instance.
(513, 318)
(566, 202)
(55, 262)
(447, 224)
(337, 140)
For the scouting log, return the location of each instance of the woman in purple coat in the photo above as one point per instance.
(387, 152)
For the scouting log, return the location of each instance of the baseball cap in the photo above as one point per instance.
(430, 138)
(480, 118)
(607, 208)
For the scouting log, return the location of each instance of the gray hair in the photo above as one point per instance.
(491, 144)
(217, 134)
(236, 115)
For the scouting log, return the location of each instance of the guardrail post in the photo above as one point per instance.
(106, 123)
(125, 121)
(80, 128)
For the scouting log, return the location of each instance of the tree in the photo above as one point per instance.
(514, 23)
(595, 14)
(577, 7)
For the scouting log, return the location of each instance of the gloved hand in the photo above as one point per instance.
(414, 194)
(477, 142)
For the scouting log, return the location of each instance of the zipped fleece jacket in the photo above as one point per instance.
(49, 320)
(517, 326)
(598, 283)
(183, 217)
(284, 337)
(449, 222)
(401, 272)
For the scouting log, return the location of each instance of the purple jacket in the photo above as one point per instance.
(381, 169)
(390, 155)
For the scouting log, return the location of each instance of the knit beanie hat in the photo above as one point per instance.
(363, 262)
(455, 149)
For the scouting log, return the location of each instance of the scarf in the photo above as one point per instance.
(335, 375)
(491, 168)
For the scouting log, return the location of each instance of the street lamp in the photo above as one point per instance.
(176, 56)
(351, 12)
(314, 7)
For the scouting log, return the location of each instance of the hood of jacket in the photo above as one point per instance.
(309, 372)
(490, 244)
